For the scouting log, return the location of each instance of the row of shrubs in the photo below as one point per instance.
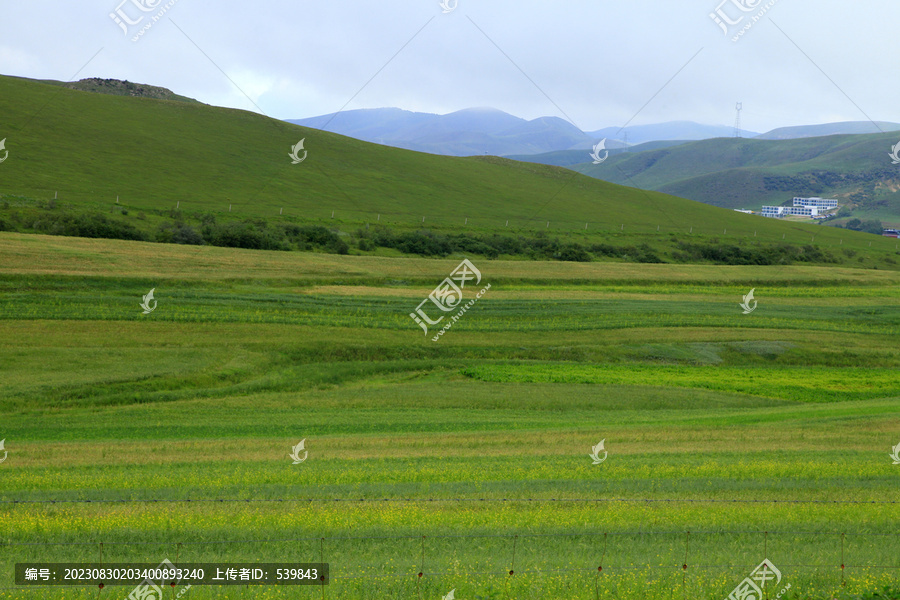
(543, 247)
(773, 254)
(256, 235)
(537, 247)
(260, 235)
(253, 235)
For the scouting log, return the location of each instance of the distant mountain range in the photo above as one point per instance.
(478, 131)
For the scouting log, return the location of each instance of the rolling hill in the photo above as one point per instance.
(93, 148)
(841, 128)
(748, 173)
(566, 158)
(673, 130)
(158, 155)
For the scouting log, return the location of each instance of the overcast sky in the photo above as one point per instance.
(597, 63)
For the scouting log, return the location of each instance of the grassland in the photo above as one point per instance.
(166, 435)
(76, 154)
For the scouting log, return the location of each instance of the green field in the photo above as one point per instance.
(731, 438)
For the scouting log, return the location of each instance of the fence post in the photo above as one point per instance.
(843, 581)
(322, 561)
(687, 546)
(177, 556)
(421, 571)
(512, 568)
(600, 570)
(100, 587)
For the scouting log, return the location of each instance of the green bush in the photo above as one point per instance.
(89, 225)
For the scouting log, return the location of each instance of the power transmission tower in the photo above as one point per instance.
(737, 119)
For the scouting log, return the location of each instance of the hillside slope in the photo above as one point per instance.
(94, 148)
(232, 165)
(748, 173)
(843, 127)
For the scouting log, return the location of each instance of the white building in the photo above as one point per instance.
(779, 212)
(822, 203)
(803, 207)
